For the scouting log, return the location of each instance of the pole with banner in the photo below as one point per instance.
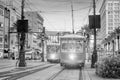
(22, 28)
(94, 23)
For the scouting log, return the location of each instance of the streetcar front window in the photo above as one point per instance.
(71, 47)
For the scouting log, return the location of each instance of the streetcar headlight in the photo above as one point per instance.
(52, 56)
(72, 56)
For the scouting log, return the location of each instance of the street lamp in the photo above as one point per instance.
(118, 43)
(42, 41)
(113, 47)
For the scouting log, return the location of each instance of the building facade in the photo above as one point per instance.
(11, 13)
(110, 17)
(1, 29)
(35, 27)
(110, 20)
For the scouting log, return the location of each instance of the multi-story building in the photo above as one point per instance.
(10, 11)
(1, 28)
(35, 27)
(110, 20)
(35, 23)
(110, 17)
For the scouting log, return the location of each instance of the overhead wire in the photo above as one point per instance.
(43, 15)
(86, 17)
(15, 9)
(59, 11)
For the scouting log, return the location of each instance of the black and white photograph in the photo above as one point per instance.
(59, 39)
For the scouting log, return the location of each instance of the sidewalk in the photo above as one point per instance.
(89, 74)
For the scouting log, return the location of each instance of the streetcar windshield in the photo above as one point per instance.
(74, 46)
(52, 49)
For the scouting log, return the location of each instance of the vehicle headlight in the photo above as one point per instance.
(52, 56)
(72, 56)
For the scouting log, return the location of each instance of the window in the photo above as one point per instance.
(1, 46)
(110, 16)
(116, 16)
(11, 41)
(116, 20)
(109, 32)
(1, 39)
(110, 24)
(110, 8)
(110, 28)
(1, 11)
(110, 20)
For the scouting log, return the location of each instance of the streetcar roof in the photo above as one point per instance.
(72, 36)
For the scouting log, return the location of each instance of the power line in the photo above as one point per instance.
(86, 17)
(50, 12)
(42, 15)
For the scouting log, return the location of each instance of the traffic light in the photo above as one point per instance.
(22, 26)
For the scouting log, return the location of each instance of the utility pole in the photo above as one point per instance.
(118, 43)
(22, 62)
(94, 55)
(113, 42)
(72, 18)
(9, 35)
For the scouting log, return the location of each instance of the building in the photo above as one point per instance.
(35, 27)
(1, 29)
(11, 13)
(110, 17)
(110, 20)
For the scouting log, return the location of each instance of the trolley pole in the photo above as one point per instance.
(22, 62)
(72, 18)
(94, 55)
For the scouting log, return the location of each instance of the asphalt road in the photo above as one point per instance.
(37, 70)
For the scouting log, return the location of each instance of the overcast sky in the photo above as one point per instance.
(57, 13)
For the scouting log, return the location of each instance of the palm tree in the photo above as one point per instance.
(117, 31)
(87, 32)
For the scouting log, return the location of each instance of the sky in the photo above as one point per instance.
(57, 13)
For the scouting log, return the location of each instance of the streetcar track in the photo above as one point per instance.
(23, 74)
(80, 74)
(90, 78)
(5, 66)
(55, 75)
(58, 73)
(18, 70)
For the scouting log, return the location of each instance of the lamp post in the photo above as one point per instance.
(21, 25)
(43, 37)
(118, 43)
(113, 47)
(94, 55)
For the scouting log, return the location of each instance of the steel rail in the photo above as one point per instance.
(55, 75)
(23, 74)
(80, 74)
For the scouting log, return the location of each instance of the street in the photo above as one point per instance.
(37, 70)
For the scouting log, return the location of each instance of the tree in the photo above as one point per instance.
(87, 32)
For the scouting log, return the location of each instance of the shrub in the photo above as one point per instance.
(109, 67)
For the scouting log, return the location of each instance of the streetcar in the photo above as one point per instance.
(72, 50)
(53, 51)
